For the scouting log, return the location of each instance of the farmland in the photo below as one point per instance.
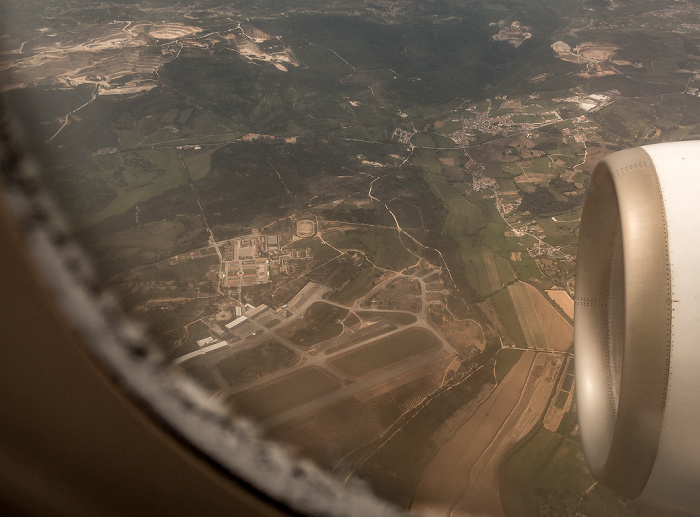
(563, 300)
(442, 483)
(530, 319)
(506, 360)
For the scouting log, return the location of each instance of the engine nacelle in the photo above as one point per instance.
(637, 324)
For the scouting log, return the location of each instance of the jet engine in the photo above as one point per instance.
(637, 324)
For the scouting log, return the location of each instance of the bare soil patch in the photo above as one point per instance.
(306, 228)
(466, 337)
(563, 300)
(445, 478)
(596, 51)
(527, 412)
(514, 34)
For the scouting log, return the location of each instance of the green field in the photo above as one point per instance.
(431, 140)
(198, 162)
(495, 170)
(144, 174)
(505, 309)
(564, 231)
(463, 217)
(493, 237)
(485, 271)
(511, 168)
(525, 119)
(505, 361)
(383, 246)
(427, 159)
(561, 399)
(505, 184)
(449, 127)
(157, 237)
(192, 270)
(526, 268)
(360, 285)
(549, 470)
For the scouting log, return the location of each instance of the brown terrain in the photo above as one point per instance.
(446, 478)
(462, 479)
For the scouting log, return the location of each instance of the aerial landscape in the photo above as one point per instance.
(355, 223)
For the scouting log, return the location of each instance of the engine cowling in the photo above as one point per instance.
(637, 324)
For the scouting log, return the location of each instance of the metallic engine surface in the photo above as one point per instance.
(675, 480)
(623, 320)
(636, 322)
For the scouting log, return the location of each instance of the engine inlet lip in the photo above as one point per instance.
(621, 406)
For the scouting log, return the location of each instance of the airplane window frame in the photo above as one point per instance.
(120, 346)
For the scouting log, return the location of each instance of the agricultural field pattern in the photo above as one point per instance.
(355, 223)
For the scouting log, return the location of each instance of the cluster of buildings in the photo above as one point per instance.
(690, 90)
(401, 136)
(238, 328)
(250, 260)
(483, 182)
(244, 264)
(250, 313)
(592, 102)
(507, 208)
(498, 125)
(541, 248)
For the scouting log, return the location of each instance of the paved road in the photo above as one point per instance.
(303, 300)
(438, 358)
